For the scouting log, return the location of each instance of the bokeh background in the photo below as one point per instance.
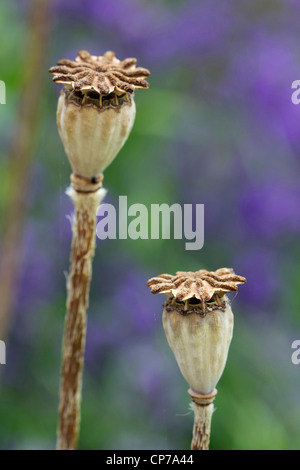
(217, 127)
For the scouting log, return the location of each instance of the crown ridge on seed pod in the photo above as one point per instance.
(101, 74)
(201, 284)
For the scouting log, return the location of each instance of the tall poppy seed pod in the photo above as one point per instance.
(95, 131)
(198, 322)
(95, 115)
(95, 112)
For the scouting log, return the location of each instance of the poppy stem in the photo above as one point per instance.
(203, 408)
(78, 286)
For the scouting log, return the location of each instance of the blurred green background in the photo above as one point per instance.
(216, 127)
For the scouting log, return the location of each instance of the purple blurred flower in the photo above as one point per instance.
(36, 278)
(45, 253)
(192, 29)
(260, 267)
(151, 373)
(271, 210)
(132, 301)
(133, 318)
(260, 73)
(159, 31)
(99, 341)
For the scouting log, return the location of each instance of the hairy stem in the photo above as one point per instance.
(78, 285)
(202, 425)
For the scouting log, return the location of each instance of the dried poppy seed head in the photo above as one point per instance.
(204, 286)
(100, 74)
(96, 112)
(198, 322)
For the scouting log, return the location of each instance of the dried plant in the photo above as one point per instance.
(202, 285)
(95, 115)
(198, 322)
(102, 75)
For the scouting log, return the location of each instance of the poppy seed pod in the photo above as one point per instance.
(96, 112)
(200, 344)
(93, 135)
(198, 322)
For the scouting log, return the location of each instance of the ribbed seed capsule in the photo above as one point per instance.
(200, 344)
(93, 135)
(198, 323)
(96, 111)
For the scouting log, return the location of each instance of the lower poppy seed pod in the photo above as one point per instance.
(198, 322)
(200, 342)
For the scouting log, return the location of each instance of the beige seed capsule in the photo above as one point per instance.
(93, 135)
(198, 323)
(96, 112)
(200, 344)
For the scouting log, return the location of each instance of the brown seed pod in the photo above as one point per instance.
(96, 111)
(198, 322)
(200, 343)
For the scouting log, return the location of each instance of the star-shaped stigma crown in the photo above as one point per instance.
(100, 74)
(201, 285)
